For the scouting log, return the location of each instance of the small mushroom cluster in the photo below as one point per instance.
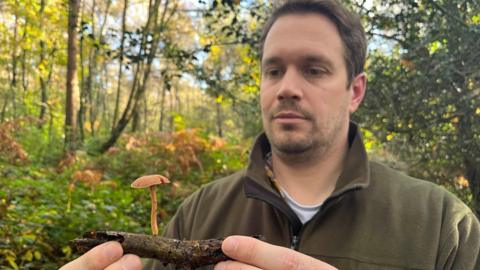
(151, 181)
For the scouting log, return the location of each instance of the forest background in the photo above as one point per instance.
(95, 93)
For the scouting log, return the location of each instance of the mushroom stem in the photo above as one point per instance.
(153, 213)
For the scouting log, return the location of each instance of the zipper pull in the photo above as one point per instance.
(295, 240)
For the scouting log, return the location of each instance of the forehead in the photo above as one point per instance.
(303, 34)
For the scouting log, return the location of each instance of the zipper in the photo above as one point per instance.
(256, 191)
(296, 236)
(295, 241)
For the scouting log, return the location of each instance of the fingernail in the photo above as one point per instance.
(131, 262)
(230, 244)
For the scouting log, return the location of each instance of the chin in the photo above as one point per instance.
(291, 144)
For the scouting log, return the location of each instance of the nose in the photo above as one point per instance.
(290, 86)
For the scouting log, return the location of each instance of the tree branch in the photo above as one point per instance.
(184, 254)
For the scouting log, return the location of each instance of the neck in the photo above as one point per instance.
(311, 180)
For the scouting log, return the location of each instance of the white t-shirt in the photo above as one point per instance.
(304, 212)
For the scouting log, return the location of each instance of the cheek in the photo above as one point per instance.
(266, 99)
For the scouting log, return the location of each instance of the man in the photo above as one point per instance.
(309, 188)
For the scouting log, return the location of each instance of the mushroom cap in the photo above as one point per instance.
(149, 180)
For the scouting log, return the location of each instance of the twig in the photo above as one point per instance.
(186, 254)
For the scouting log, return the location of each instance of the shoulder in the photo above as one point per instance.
(212, 197)
(415, 195)
(217, 189)
(204, 205)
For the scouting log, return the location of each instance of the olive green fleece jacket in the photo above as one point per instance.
(376, 218)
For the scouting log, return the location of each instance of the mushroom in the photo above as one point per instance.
(151, 181)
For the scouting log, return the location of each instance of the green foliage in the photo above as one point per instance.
(43, 207)
(423, 93)
(421, 113)
(40, 213)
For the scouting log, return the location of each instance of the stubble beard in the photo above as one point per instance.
(295, 144)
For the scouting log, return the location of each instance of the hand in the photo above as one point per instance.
(108, 256)
(253, 254)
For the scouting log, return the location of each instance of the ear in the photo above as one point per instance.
(358, 87)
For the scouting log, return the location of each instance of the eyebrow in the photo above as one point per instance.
(320, 59)
(271, 60)
(309, 58)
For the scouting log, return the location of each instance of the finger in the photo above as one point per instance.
(127, 262)
(97, 258)
(234, 265)
(266, 256)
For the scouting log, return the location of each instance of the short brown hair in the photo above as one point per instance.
(348, 25)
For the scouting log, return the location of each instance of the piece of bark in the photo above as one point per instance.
(185, 254)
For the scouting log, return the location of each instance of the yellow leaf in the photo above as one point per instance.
(462, 181)
(219, 99)
(253, 25)
(476, 19)
(477, 111)
(37, 255)
(67, 251)
(11, 261)
(390, 137)
(251, 89)
(215, 52)
(368, 145)
(28, 256)
(247, 59)
(31, 237)
(434, 46)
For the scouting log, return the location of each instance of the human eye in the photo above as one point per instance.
(314, 71)
(272, 72)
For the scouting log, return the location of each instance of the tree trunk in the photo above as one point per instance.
(42, 67)
(24, 58)
(135, 121)
(171, 124)
(92, 67)
(145, 114)
(139, 84)
(120, 64)
(83, 94)
(72, 87)
(43, 91)
(219, 118)
(162, 107)
(13, 81)
(81, 109)
(44, 80)
(4, 109)
(94, 94)
(24, 71)
(105, 115)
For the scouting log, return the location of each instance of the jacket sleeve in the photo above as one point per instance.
(461, 246)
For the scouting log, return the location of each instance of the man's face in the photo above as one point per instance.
(305, 100)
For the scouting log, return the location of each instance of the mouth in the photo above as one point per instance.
(288, 117)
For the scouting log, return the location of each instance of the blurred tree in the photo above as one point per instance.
(149, 43)
(423, 98)
(230, 72)
(72, 87)
(120, 64)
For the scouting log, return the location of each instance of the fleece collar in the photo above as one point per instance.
(355, 174)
